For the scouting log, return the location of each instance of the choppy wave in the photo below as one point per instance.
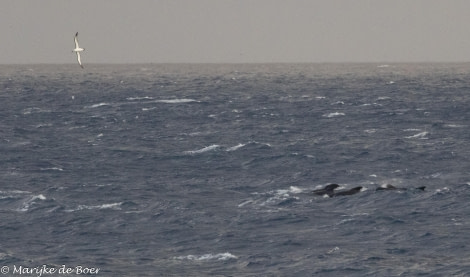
(182, 170)
(19, 200)
(31, 201)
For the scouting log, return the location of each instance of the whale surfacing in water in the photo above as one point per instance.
(347, 192)
(328, 190)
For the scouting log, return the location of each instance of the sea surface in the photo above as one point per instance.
(207, 170)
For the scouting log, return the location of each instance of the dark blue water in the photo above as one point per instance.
(206, 170)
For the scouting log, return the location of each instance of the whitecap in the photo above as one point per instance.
(280, 195)
(40, 197)
(98, 105)
(15, 192)
(116, 206)
(43, 125)
(52, 168)
(331, 251)
(294, 189)
(442, 190)
(203, 150)
(245, 203)
(206, 257)
(454, 126)
(421, 135)
(27, 204)
(329, 115)
(286, 192)
(139, 98)
(236, 147)
(176, 101)
(148, 109)
(34, 110)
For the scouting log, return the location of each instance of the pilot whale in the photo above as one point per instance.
(347, 192)
(328, 190)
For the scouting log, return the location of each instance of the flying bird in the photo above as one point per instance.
(78, 50)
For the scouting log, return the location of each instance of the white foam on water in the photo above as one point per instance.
(34, 110)
(98, 105)
(421, 135)
(176, 101)
(335, 114)
(287, 192)
(115, 206)
(282, 195)
(207, 257)
(245, 203)
(52, 168)
(139, 98)
(203, 150)
(454, 126)
(443, 190)
(14, 192)
(236, 147)
(331, 251)
(30, 201)
(148, 109)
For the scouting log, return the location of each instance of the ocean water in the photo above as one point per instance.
(207, 170)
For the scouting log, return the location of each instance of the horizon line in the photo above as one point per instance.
(246, 63)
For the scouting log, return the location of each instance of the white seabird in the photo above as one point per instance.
(78, 50)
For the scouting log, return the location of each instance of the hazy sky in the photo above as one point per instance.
(157, 31)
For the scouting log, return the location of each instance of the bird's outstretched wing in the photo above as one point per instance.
(79, 60)
(75, 39)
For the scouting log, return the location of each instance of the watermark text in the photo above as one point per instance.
(45, 270)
